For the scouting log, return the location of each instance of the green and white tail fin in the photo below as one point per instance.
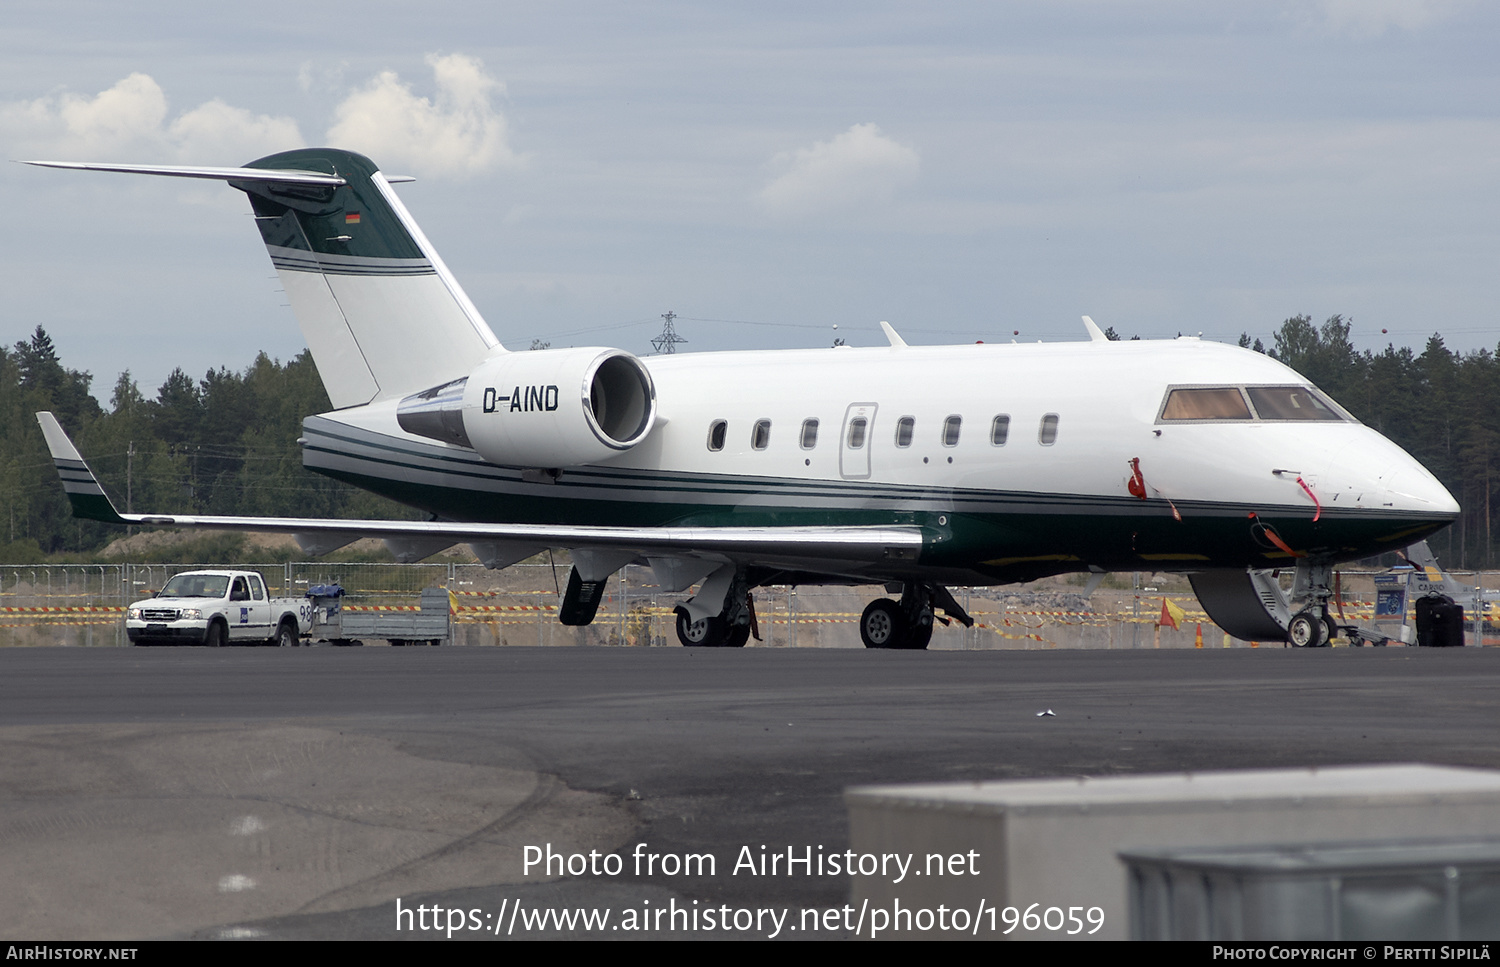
(381, 313)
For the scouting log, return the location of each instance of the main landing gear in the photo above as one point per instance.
(730, 628)
(712, 632)
(907, 624)
(904, 624)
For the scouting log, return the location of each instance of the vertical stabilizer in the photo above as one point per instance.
(382, 314)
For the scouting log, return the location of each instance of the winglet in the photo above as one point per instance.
(1095, 333)
(892, 336)
(84, 493)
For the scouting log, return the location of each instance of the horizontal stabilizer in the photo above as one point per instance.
(257, 175)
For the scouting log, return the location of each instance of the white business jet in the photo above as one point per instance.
(915, 467)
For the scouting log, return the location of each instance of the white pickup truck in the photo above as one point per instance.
(217, 608)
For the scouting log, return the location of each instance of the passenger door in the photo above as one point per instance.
(854, 442)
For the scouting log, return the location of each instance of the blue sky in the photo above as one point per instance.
(769, 171)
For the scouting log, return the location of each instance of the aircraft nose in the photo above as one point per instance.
(1413, 488)
(1384, 476)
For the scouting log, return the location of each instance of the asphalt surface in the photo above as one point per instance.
(291, 793)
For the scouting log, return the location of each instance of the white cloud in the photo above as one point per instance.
(859, 166)
(129, 121)
(216, 129)
(458, 132)
(1371, 18)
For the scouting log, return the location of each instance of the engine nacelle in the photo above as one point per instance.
(546, 408)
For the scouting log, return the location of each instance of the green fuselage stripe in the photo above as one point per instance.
(991, 536)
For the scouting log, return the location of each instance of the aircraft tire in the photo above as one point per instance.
(737, 636)
(881, 625)
(1330, 631)
(1306, 630)
(710, 632)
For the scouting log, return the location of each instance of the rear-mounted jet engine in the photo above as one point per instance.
(549, 408)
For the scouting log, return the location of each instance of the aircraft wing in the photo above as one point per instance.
(850, 550)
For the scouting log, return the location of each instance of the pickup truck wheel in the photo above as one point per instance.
(217, 634)
(286, 635)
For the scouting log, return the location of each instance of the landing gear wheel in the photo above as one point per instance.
(704, 633)
(881, 626)
(1307, 630)
(737, 637)
(1330, 630)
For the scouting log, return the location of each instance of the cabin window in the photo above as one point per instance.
(1207, 403)
(717, 430)
(904, 429)
(857, 427)
(809, 434)
(1048, 433)
(950, 430)
(760, 435)
(257, 591)
(1000, 430)
(1291, 403)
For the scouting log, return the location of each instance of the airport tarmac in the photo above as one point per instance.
(298, 793)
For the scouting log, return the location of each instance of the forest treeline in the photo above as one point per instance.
(227, 443)
(223, 444)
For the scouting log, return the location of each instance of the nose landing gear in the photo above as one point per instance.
(1313, 626)
(1309, 629)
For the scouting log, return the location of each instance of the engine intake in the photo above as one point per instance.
(547, 408)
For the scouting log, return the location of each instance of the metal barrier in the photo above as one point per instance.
(83, 605)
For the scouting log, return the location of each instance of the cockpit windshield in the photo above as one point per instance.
(1208, 403)
(1291, 403)
(1246, 404)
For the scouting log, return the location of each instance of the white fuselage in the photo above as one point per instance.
(1103, 401)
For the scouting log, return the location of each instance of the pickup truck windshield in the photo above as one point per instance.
(196, 586)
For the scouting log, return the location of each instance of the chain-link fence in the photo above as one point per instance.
(83, 605)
